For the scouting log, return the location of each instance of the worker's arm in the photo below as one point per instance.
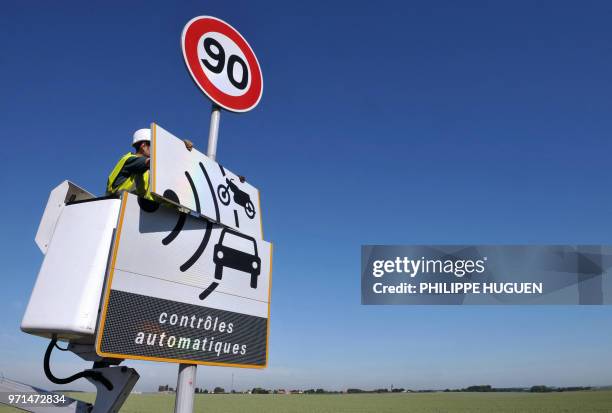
(136, 165)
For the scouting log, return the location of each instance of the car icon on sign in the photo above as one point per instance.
(239, 252)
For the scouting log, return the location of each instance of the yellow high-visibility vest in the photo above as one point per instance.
(137, 183)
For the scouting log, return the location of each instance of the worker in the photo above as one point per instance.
(132, 171)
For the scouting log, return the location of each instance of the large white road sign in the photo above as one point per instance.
(193, 180)
(182, 289)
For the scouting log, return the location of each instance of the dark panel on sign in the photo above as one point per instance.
(149, 327)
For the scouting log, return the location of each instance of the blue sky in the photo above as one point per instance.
(380, 122)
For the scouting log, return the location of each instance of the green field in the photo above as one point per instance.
(585, 401)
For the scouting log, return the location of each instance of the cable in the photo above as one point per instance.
(95, 375)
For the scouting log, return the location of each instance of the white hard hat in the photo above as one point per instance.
(142, 135)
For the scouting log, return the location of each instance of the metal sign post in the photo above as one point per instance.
(213, 133)
(204, 41)
(185, 388)
(185, 385)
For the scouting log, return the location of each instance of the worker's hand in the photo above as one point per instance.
(188, 144)
(242, 178)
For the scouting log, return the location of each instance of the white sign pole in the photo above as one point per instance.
(185, 388)
(213, 133)
(185, 385)
(200, 68)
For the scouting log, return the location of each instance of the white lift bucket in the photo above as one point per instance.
(75, 233)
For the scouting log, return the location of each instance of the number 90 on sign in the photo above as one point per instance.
(224, 63)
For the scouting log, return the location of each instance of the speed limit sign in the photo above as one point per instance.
(222, 63)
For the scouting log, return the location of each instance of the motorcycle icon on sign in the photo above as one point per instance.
(240, 197)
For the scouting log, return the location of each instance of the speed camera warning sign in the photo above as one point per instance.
(222, 63)
(183, 289)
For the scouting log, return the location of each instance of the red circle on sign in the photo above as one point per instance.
(192, 33)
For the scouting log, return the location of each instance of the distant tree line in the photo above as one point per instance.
(545, 389)
(481, 388)
(320, 391)
(532, 389)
